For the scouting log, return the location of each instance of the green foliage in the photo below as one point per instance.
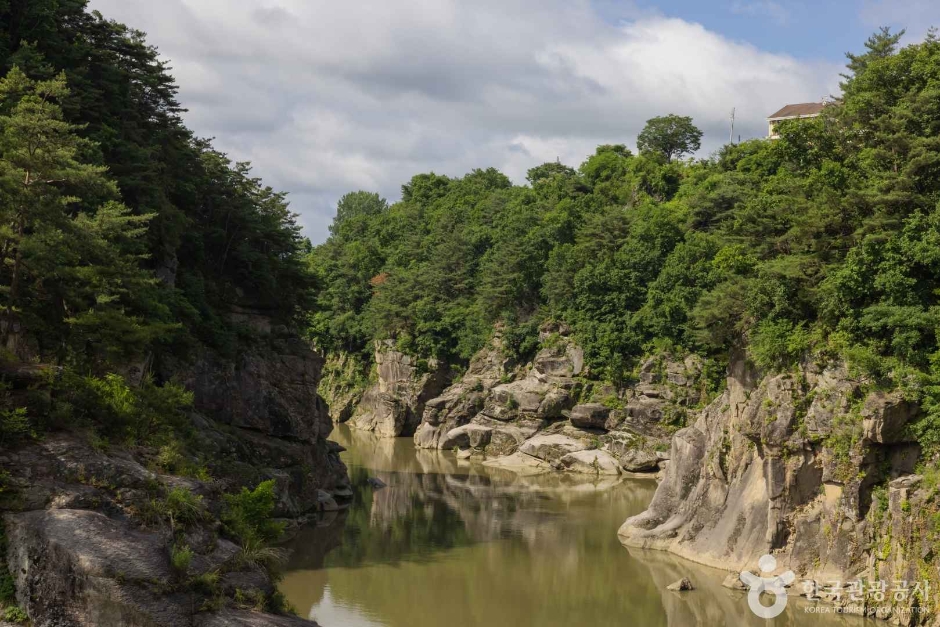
(15, 614)
(182, 507)
(248, 516)
(14, 425)
(142, 414)
(777, 344)
(181, 557)
(103, 190)
(670, 136)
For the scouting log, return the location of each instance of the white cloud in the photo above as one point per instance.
(328, 97)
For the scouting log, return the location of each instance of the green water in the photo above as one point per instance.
(454, 544)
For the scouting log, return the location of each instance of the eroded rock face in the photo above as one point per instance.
(261, 417)
(591, 462)
(82, 554)
(89, 543)
(548, 409)
(270, 388)
(394, 404)
(780, 464)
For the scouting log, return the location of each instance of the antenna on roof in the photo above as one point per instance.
(731, 137)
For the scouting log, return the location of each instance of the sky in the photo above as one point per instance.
(328, 97)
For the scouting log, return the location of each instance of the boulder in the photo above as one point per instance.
(467, 436)
(326, 502)
(504, 441)
(683, 585)
(644, 409)
(564, 360)
(632, 458)
(589, 416)
(429, 436)
(591, 462)
(733, 582)
(551, 448)
(553, 404)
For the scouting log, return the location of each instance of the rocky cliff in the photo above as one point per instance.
(814, 466)
(547, 414)
(93, 530)
(393, 404)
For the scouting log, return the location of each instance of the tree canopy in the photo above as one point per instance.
(671, 136)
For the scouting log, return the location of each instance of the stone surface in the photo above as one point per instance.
(885, 416)
(733, 582)
(551, 448)
(589, 416)
(683, 585)
(591, 462)
(394, 404)
(633, 458)
(753, 474)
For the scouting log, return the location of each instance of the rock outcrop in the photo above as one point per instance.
(393, 405)
(91, 527)
(260, 417)
(549, 414)
(87, 546)
(812, 466)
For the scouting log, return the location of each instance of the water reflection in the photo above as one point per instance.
(459, 544)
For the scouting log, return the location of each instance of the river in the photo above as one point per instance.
(449, 543)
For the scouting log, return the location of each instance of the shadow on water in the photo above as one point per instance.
(454, 543)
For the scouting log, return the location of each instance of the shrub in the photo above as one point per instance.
(137, 413)
(15, 614)
(14, 425)
(248, 514)
(181, 556)
(255, 552)
(183, 507)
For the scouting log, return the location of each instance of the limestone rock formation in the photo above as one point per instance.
(394, 404)
(549, 414)
(790, 464)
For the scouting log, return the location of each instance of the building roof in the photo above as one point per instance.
(798, 110)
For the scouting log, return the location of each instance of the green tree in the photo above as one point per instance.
(671, 136)
(66, 273)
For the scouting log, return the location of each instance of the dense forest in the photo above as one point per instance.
(123, 236)
(824, 242)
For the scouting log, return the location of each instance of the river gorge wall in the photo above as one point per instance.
(814, 466)
(94, 530)
(536, 416)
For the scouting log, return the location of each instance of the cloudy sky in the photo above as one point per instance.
(326, 97)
